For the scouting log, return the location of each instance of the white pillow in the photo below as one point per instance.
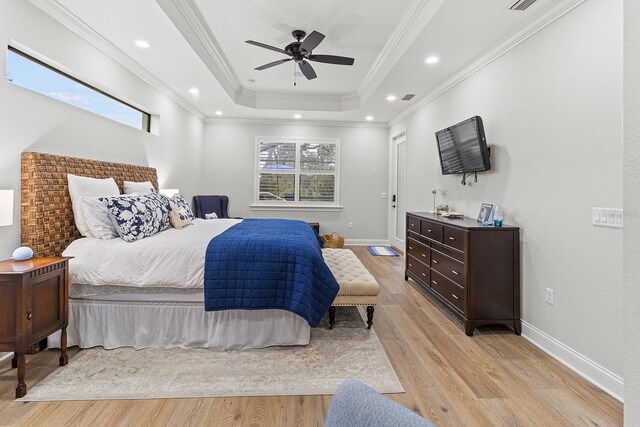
(141, 188)
(96, 216)
(82, 186)
(211, 215)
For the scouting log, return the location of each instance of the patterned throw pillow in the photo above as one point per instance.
(180, 202)
(137, 217)
(179, 216)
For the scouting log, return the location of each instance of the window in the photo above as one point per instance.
(297, 172)
(33, 74)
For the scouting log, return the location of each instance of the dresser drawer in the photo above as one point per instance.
(448, 267)
(413, 224)
(447, 289)
(418, 250)
(448, 250)
(419, 269)
(431, 230)
(453, 237)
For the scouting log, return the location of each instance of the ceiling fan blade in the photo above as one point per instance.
(307, 70)
(273, 64)
(311, 41)
(331, 59)
(266, 46)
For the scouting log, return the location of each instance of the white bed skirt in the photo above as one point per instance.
(113, 324)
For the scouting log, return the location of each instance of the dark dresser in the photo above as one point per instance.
(474, 270)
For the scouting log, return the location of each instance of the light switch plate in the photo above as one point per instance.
(607, 217)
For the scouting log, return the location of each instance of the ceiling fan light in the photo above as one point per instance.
(432, 60)
(391, 98)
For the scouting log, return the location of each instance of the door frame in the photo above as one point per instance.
(396, 139)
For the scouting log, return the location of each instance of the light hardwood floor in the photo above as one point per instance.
(493, 378)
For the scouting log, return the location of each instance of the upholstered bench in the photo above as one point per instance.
(357, 285)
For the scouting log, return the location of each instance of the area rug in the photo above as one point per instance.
(350, 350)
(382, 251)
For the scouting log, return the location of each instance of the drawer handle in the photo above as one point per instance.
(434, 261)
(424, 274)
(424, 255)
(434, 282)
(455, 272)
(455, 296)
(430, 231)
(410, 247)
(29, 315)
(412, 224)
(410, 265)
(452, 238)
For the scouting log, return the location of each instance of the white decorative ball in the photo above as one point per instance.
(23, 253)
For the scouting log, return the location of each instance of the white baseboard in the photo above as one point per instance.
(583, 366)
(366, 242)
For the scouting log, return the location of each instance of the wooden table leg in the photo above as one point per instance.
(21, 389)
(14, 361)
(332, 316)
(64, 359)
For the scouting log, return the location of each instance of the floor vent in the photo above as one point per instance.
(408, 97)
(522, 4)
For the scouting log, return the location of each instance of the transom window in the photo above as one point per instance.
(292, 171)
(30, 73)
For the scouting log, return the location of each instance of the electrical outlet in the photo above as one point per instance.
(383, 195)
(548, 296)
(350, 225)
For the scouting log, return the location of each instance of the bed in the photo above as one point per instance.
(143, 294)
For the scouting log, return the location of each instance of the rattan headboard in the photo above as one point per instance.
(47, 220)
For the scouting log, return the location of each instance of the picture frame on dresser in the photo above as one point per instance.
(484, 216)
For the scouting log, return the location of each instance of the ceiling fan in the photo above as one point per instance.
(302, 50)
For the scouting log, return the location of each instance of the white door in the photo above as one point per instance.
(398, 197)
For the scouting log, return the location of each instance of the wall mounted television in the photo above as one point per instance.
(463, 148)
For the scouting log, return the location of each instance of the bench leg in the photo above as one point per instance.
(332, 317)
(369, 316)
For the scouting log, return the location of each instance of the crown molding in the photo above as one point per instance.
(70, 21)
(189, 21)
(415, 18)
(291, 122)
(536, 24)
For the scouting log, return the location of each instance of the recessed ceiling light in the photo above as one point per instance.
(218, 113)
(194, 90)
(432, 60)
(391, 98)
(297, 116)
(369, 118)
(142, 44)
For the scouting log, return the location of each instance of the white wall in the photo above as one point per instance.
(632, 212)
(33, 122)
(230, 152)
(552, 109)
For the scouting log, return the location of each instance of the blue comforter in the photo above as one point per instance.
(269, 264)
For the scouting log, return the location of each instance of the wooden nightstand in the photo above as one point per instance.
(34, 303)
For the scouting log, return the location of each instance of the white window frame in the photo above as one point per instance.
(295, 205)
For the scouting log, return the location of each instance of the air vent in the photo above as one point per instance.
(408, 97)
(522, 4)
